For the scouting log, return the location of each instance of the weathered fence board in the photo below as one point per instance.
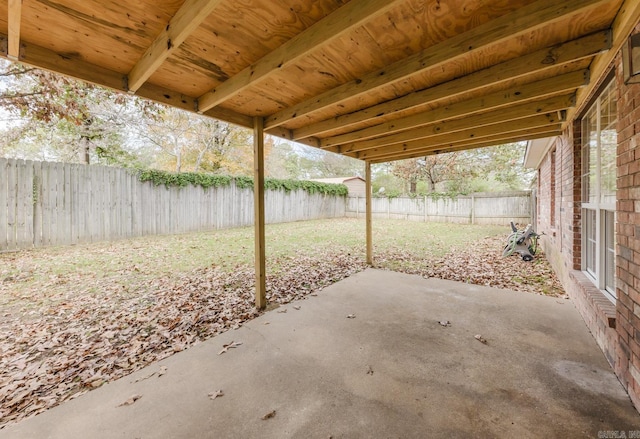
(482, 208)
(44, 204)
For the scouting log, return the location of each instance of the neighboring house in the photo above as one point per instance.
(356, 185)
(589, 208)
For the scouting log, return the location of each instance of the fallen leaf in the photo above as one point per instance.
(297, 307)
(269, 415)
(131, 400)
(480, 338)
(163, 370)
(351, 316)
(444, 322)
(214, 395)
(282, 311)
(226, 347)
(370, 371)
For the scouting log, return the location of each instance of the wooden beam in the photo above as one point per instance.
(46, 59)
(348, 17)
(525, 19)
(624, 23)
(368, 213)
(258, 211)
(288, 135)
(514, 113)
(501, 99)
(499, 129)
(536, 133)
(14, 18)
(190, 15)
(520, 67)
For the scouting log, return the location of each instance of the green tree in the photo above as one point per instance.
(70, 120)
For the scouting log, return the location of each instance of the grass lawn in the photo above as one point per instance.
(76, 317)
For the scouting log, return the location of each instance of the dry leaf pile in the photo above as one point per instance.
(75, 333)
(481, 264)
(61, 348)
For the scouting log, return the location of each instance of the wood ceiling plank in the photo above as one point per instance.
(516, 68)
(502, 128)
(525, 19)
(352, 15)
(522, 93)
(500, 139)
(14, 18)
(190, 15)
(46, 59)
(515, 112)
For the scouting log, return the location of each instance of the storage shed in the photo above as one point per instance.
(356, 185)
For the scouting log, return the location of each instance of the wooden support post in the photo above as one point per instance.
(368, 213)
(258, 205)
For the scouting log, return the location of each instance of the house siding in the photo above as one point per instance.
(615, 327)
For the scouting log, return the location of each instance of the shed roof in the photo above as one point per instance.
(377, 80)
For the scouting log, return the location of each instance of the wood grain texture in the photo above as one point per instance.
(533, 64)
(495, 32)
(515, 112)
(353, 15)
(506, 99)
(419, 56)
(15, 16)
(499, 139)
(182, 24)
(504, 129)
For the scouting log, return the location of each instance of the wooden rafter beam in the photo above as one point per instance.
(525, 19)
(14, 19)
(352, 15)
(520, 111)
(288, 135)
(46, 59)
(550, 57)
(472, 134)
(190, 15)
(627, 18)
(501, 99)
(500, 139)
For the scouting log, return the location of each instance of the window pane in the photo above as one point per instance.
(608, 148)
(610, 249)
(590, 238)
(593, 170)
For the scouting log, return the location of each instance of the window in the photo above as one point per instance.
(599, 191)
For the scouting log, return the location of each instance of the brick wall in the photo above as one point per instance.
(616, 328)
(628, 236)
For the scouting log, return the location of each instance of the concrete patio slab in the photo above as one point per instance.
(393, 371)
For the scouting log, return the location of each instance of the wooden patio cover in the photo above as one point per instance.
(378, 80)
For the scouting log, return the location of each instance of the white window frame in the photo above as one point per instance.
(598, 276)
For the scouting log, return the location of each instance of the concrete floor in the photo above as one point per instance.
(391, 372)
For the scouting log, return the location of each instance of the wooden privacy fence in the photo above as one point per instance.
(44, 203)
(482, 208)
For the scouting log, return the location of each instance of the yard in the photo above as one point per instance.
(76, 317)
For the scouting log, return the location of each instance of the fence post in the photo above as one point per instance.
(357, 206)
(473, 209)
(424, 200)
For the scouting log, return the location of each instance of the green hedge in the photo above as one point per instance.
(183, 179)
